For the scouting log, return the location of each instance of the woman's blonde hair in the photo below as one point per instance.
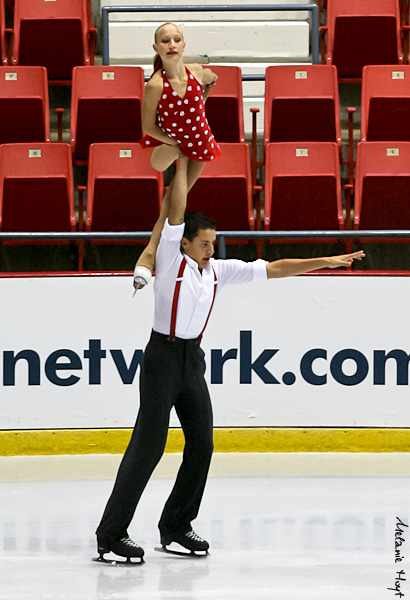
(157, 58)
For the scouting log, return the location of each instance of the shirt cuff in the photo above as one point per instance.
(173, 233)
(259, 270)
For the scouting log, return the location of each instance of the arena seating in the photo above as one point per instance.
(124, 193)
(385, 110)
(362, 32)
(37, 194)
(301, 113)
(224, 189)
(302, 187)
(382, 186)
(224, 107)
(302, 104)
(52, 34)
(24, 105)
(36, 188)
(105, 107)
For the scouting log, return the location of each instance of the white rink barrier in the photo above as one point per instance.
(313, 351)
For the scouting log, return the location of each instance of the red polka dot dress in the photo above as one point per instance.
(184, 119)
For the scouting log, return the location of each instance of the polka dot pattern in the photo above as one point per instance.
(176, 115)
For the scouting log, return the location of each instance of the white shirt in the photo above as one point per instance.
(197, 288)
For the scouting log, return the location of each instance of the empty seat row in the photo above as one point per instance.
(301, 105)
(105, 107)
(55, 34)
(124, 193)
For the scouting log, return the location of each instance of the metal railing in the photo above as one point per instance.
(313, 8)
(222, 236)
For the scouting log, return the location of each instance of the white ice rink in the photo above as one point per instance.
(294, 527)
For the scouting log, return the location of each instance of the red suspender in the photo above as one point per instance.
(212, 305)
(176, 298)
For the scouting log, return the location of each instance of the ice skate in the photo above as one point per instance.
(197, 546)
(142, 276)
(124, 547)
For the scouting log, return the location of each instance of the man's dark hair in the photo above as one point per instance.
(194, 221)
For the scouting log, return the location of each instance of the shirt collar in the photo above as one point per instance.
(194, 265)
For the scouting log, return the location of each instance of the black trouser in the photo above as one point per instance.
(171, 375)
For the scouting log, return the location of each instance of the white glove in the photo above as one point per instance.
(142, 277)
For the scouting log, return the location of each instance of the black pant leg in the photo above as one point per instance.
(194, 411)
(160, 382)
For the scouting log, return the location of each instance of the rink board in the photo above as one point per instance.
(314, 352)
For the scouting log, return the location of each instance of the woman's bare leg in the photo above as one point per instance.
(147, 258)
(163, 156)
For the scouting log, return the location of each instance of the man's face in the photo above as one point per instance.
(201, 249)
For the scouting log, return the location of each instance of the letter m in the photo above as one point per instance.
(402, 361)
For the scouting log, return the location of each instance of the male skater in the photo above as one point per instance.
(187, 280)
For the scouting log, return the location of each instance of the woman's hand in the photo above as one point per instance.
(344, 260)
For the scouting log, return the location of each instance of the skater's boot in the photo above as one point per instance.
(123, 547)
(189, 540)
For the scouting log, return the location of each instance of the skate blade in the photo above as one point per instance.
(187, 554)
(119, 563)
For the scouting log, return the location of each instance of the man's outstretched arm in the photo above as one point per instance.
(296, 266)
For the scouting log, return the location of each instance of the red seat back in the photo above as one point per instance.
(302, 187)
(124, 193)
(302, 104)
(24, 104)
(51, 34)
(36, 188)
(105, 106)
(224, 107)
(224, 190)
(382, 185)
(385, 111)
(362, 32)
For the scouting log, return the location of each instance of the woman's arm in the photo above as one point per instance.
(296, 266)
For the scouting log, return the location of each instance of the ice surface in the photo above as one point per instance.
(273, 537)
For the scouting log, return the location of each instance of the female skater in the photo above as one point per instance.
(174, 122)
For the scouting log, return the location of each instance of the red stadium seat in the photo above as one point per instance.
(124, 193)
(37, 194)
(362, 32)
(224, 107)
(224, 190)
(382, 186)
(385, 104)
(36, 188)
(302, 104)
(105, 107)
(302, 187)
(24, 105)
(52, 34)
